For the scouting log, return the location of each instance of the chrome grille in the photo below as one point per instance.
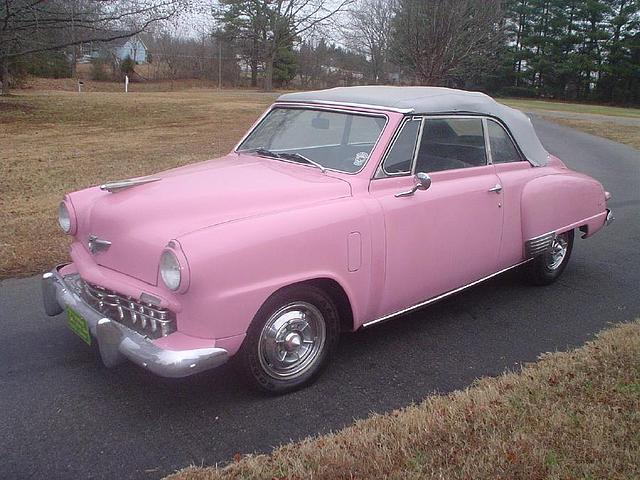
(539, 245)
(144, 318)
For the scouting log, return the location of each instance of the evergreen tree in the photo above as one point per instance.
(576, 49)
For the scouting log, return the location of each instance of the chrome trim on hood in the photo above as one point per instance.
(119, 185)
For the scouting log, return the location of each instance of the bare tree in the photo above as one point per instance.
(367, 30)
(33, 26)
(291, 18)
(268, 26)
(246, 23)
(444, 40)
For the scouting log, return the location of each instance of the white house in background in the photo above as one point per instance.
(119, 49)
(133, 48)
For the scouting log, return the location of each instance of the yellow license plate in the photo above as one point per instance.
(78, 325)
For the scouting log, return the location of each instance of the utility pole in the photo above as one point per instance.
(219, 27)
(219, 63)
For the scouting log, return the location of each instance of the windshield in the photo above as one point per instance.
(325, 139)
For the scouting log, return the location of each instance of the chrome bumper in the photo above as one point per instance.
(610, 217)
(118, 343)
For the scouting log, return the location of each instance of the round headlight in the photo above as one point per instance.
(64, 218)
(170, 270)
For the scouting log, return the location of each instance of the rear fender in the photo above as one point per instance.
(553, 204)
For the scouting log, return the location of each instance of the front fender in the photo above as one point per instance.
(236, 266)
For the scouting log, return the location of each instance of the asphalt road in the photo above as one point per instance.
(63, 415)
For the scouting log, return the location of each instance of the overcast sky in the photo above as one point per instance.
(201, 20)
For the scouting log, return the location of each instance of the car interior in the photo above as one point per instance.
(444, 148)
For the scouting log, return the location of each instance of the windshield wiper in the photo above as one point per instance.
(264, 152)
(297, 157)
(287, 155)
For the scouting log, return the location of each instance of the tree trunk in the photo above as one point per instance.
(4, 75)
(254, 73)
(268, 73)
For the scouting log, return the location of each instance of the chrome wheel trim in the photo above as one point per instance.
(557, 252)
(291, 340)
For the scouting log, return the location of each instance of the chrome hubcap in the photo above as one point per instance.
(291, 340)
(557, 252)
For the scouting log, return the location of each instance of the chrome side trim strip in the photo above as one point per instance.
(439, 297)
(538, 245)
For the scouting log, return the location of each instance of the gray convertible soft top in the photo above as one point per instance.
(432, 100)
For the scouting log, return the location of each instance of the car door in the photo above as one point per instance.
(447, 236)
(514, 172)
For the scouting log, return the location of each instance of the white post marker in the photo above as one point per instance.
(126, 83)
(80, 84)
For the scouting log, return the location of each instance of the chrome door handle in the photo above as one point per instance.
(496, 189)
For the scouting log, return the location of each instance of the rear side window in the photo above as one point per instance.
(502, 148)
(400, 156)
(451, 143)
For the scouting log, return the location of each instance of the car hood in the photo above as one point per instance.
(140, 220)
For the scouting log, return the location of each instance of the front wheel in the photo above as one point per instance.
(290, 339)
(547, 268)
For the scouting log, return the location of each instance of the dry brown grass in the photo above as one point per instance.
(570, 415)
(55, 142)
(568, 107)
(619, 124)
(628, 134)
(39, 85)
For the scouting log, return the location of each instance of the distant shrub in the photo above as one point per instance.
(522, 92)
(99, 70)
(48, 65)
(127, 67)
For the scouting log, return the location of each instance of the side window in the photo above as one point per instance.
(400, 156)
(451, 143)
(502, 148)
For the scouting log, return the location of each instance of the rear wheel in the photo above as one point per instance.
(547, 268)
(290, 339)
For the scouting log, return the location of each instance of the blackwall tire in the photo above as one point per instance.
(548, 267)
(291, 339)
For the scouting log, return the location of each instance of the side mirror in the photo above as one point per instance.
(422, 182)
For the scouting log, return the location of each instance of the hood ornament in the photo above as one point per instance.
(96, 244)
(118, 185)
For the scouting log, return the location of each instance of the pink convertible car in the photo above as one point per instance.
(338, 210)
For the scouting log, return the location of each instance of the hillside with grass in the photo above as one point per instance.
(570, 415)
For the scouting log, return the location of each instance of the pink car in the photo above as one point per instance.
(338, 210)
